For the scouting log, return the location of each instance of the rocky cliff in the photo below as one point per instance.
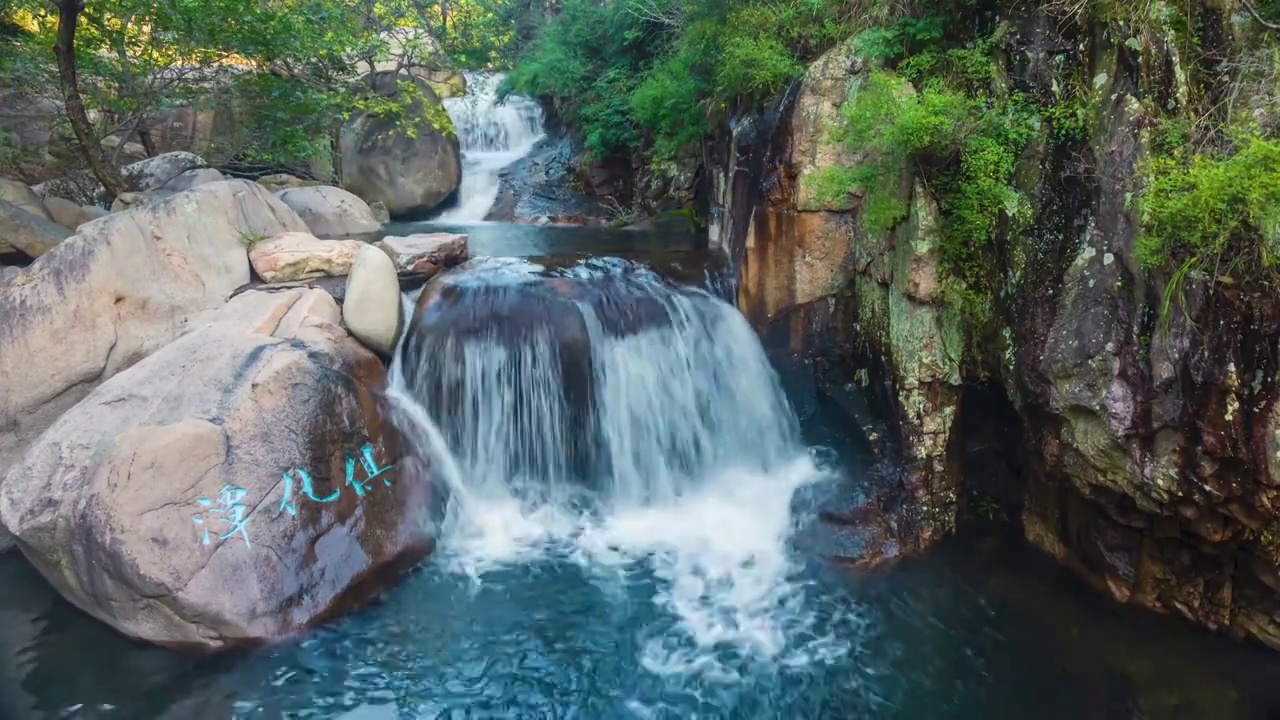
(1120, 412)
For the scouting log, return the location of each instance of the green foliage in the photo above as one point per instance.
(283, 69)
(989, 509)
(1068, 120)
(889, 42)
(1205, 211)
(655, 73)
(968, 146)
(250, 239)
(936, 115)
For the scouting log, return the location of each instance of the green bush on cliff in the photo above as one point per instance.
(1213, 211)
(965, 146)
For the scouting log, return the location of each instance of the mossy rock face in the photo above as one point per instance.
(827, 85)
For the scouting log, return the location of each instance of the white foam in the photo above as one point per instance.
(701, 459)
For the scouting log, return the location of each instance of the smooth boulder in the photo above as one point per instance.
(412, 163)
(371, 308)
(192, 179)
(156, 172)
(29, 234)
(70, 215)
(234, 487)
(425, 252)
(123, 287)
(302, 256)
(23, 197)
(330, 212)
(130, 200)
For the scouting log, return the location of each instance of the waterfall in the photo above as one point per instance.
(492, 134)
(601, 415)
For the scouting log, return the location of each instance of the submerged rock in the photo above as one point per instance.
(371, 307)
(112, 294)
(236, 486)
(302, 256)
(330, 212)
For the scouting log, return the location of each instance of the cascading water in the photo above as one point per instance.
(605, 417)
(492, 134)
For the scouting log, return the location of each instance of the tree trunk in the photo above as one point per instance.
(64, 48)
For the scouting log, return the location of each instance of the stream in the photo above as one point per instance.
(630, 486)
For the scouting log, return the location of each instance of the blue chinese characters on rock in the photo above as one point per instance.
(226, 515)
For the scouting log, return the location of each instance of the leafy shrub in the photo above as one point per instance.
(968, 145)
(1204, 210)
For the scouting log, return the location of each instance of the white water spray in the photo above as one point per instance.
(678, 460)
(492, 135)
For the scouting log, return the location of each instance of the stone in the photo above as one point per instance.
(425, 252)
(380, 214)
(78, 187)
(118, 290)
(410, 166)
(302, 256)
(23, 197)
(192, 178)
(331, 212)
(283, 181)
(31, 235)
(70, 215)
(826, 86)
(8, 272)
(129, 200)
(156, 172)
(237, 486)
(372, 309)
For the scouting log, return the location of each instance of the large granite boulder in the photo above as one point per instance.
(123, 287)
(29, 234)
(233, 487)
(302, 256)
(410, 163)
(330, 212)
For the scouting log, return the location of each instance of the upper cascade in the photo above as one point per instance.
(493, 132)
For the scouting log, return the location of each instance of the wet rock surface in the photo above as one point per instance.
(544, 184)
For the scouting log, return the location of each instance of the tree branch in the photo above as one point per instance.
(64, 49)
(1258, 16)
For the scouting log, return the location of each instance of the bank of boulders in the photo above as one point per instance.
(193, 451)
